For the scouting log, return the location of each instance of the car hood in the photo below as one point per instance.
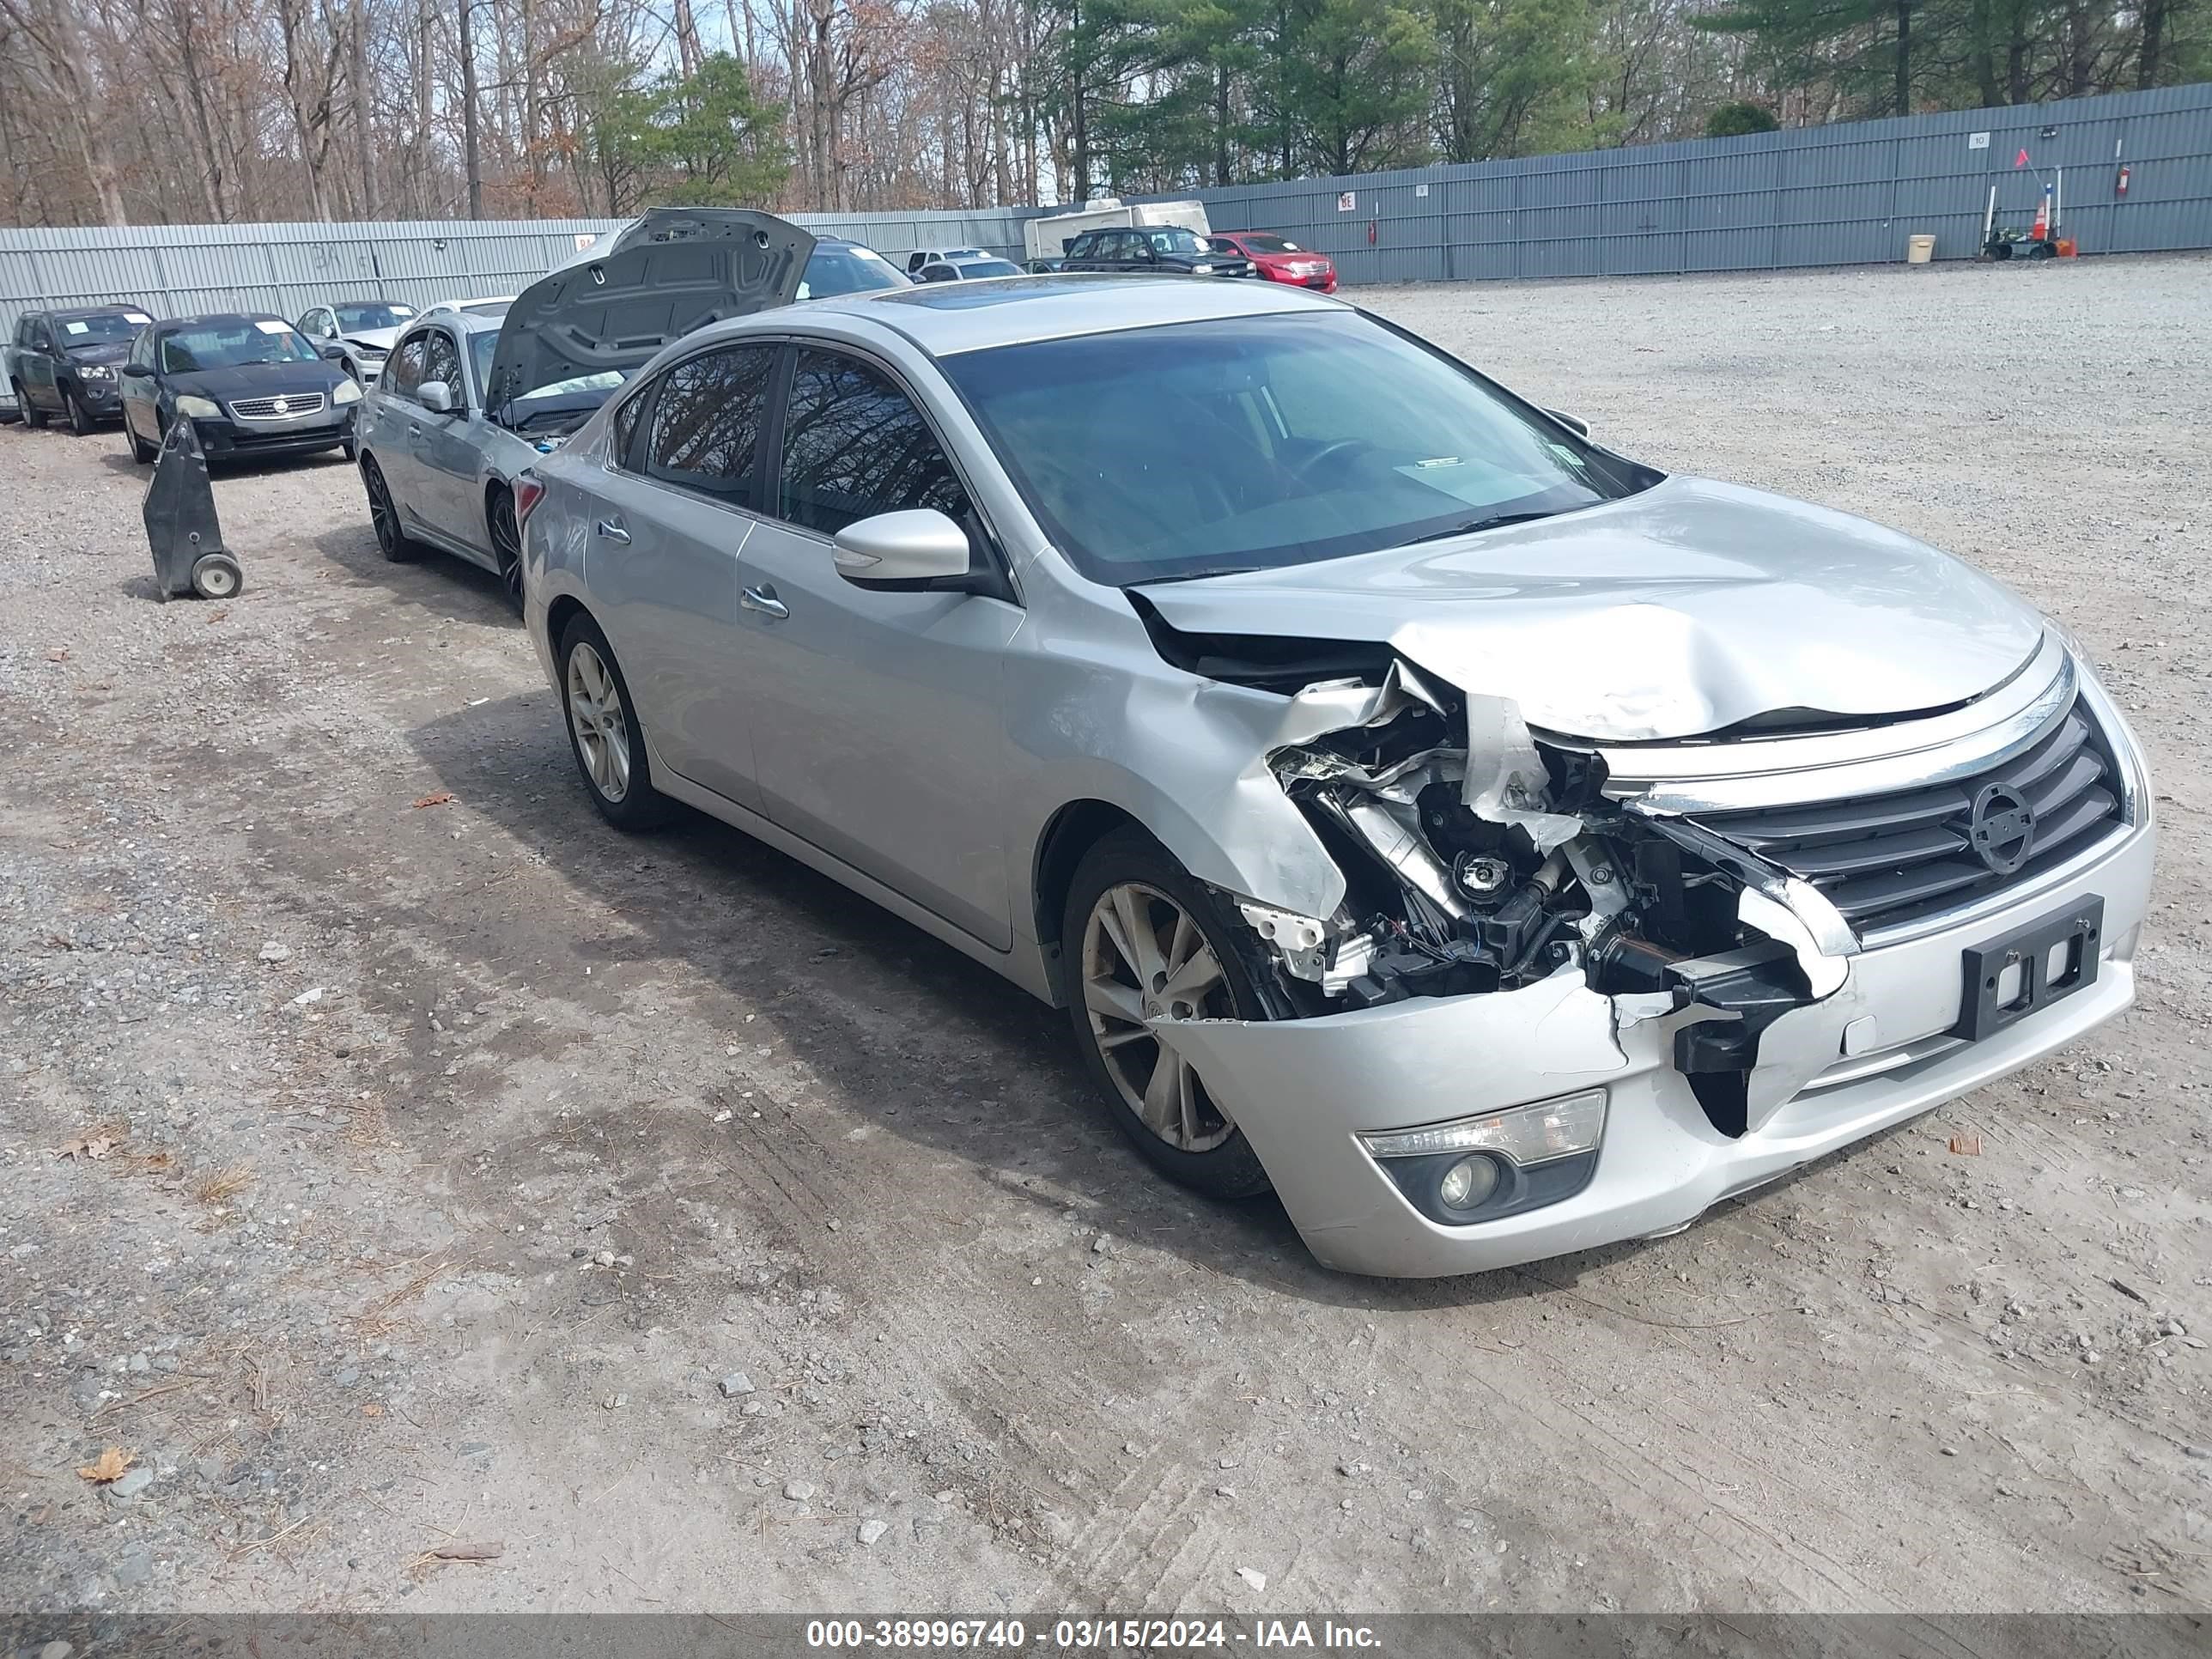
(619, 301)
(1683, 610)
(114, 351)
(379, 338)
(255, 380)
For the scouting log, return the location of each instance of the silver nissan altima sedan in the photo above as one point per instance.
(1493, 845)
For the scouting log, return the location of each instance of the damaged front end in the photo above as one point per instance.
(1478, 860)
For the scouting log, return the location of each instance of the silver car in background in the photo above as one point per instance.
(1494, 846)
(356, 334)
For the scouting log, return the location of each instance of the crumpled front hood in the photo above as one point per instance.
(1681, 611)
(114, 352)
(615, 305)
(378, 339)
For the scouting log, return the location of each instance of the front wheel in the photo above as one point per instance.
(603, 731)
(141, 452)
(80, 423)
(1141, 940)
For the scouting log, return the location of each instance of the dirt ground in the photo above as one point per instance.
(451, 1171)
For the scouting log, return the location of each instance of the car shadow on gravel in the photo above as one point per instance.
(708, 895)
(431, 581)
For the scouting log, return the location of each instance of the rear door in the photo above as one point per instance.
(664, 546)
(876, 716)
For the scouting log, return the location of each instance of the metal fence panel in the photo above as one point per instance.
(1838, 195)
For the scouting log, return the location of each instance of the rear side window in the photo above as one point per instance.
(707, 420)
(441, 360)
(854, 445)
(405, 373)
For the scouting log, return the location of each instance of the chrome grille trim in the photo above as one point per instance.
(265, 409)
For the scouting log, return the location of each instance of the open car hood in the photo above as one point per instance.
(619, 301)
(1687, 609)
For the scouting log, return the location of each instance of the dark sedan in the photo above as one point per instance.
(64, 362)
(250, 385)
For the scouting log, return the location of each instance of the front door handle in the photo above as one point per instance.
(763, 599)
(612, 530)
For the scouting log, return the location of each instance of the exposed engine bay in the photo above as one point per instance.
(1479, 859)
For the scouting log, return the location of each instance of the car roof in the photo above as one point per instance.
(171, 325)
(65, 313)
(947, 318)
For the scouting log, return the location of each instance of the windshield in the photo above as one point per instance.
(1258, 441)
(1174, 240)
(1263, 243)
(227, 342)
(848, 270)
(375, 315)
(109, 328)
(988, 268)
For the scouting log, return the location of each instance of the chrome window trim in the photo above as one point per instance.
(1726, 777)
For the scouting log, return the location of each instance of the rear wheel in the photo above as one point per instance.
(507, 546)
(383, 516)
(602, 732)
(33, 416)
(1141, 939)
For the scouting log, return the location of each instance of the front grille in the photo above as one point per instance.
(1888, 860)
(265, 409)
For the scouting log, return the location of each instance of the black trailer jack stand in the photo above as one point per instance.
(181, 525)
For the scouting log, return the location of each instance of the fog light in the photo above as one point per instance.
(1469, 1183)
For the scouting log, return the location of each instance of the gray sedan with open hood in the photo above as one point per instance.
(1495, 847)
(471, 395)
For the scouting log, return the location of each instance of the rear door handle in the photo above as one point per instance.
(763, 599)
(612, 530)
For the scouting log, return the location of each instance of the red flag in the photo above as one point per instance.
(2022, 161)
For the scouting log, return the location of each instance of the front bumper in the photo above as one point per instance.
(1302, 1090)
(102, 399)
(224, 438)
(1322, 282)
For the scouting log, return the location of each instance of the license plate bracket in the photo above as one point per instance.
(2010, 978)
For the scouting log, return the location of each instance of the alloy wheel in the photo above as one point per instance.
(379, 512)
(1144, 956)
(506, 547)
(597, 718)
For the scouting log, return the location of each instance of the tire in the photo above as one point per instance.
(141, 452)
(217, 576)
(80, 423)
(384, 517)
(610, 755)
(33, 416)
(2042, 251)
(505, 545)
(1128, 876)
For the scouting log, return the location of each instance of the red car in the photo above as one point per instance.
(1278, 260)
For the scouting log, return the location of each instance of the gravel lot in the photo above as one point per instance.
(462, 1173)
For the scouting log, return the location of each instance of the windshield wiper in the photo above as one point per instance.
(1199, 575)
(1494, 521)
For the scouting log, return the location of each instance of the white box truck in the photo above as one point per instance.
(1047, 239)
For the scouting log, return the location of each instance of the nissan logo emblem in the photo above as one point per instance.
(2001, 828)
(283, 406)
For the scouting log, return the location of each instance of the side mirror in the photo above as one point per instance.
(136, 371)
(1574, 423)
(435, 396)
(334, 352)
(919, 544)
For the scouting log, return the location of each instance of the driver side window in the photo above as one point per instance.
(405, 372)
(441, 360)
(854, 445)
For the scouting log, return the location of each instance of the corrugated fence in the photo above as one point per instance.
(284, 269)
(1814, 195)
